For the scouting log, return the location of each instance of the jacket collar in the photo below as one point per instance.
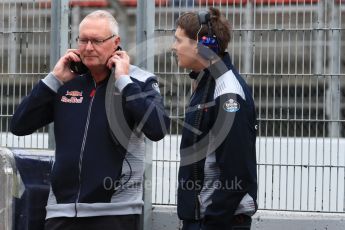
(220, 67)
(216, 69)
(90, 78)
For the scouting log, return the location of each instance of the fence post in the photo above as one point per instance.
(318, 42)
(58, 43)
(13, 41)
(248, 39)
(333, 91)
(145, 59)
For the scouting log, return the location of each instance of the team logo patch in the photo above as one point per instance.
(74, 93)
(156, 87)
(73, 97)
(231, 106)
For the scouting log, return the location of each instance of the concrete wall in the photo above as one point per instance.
(165, 218)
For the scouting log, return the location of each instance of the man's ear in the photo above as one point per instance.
(117, 41)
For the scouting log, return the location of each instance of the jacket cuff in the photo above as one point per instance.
(52, 82)
(122, 82)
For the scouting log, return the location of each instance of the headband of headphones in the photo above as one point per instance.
(208, 46)
(205, 19)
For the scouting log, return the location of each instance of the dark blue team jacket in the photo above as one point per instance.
(86, 152)
(218, 144)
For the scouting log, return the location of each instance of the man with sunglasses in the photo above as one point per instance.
(97, 178)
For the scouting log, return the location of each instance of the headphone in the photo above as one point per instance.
(207, 46)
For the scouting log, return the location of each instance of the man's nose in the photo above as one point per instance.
(89, 45)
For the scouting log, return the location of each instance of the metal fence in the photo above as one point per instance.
(24, 49)
(289, 53)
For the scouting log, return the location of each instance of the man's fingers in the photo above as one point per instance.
(118, 58)
(122, 54)
(72, 50)
(73, 55)
(111, 62)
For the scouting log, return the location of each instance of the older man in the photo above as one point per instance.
(96, 180)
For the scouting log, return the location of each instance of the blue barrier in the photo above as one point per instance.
(31, 184)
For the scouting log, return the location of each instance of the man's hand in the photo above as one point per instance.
(62, 70)
(120, 60)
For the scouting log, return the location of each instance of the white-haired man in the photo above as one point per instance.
(96, 180)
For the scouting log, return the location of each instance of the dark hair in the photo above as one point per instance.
(189, 22)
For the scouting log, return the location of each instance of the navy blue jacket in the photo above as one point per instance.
(217, 176)
(86, 151)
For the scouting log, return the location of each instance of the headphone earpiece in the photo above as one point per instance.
(207, 46)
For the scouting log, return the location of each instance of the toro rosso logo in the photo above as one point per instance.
(231, 106)
(73, 97)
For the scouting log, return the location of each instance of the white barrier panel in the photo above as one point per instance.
(165, 218)
(294, 173)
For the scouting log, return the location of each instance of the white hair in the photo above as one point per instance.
(114, 26)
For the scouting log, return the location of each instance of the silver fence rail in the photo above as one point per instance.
(290, 54)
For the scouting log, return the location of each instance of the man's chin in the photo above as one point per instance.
(91, 64)
(96, 66)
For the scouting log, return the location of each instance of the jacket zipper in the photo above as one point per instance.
(197, 124)
(92, 95)
(195, 165)
(196, 192)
